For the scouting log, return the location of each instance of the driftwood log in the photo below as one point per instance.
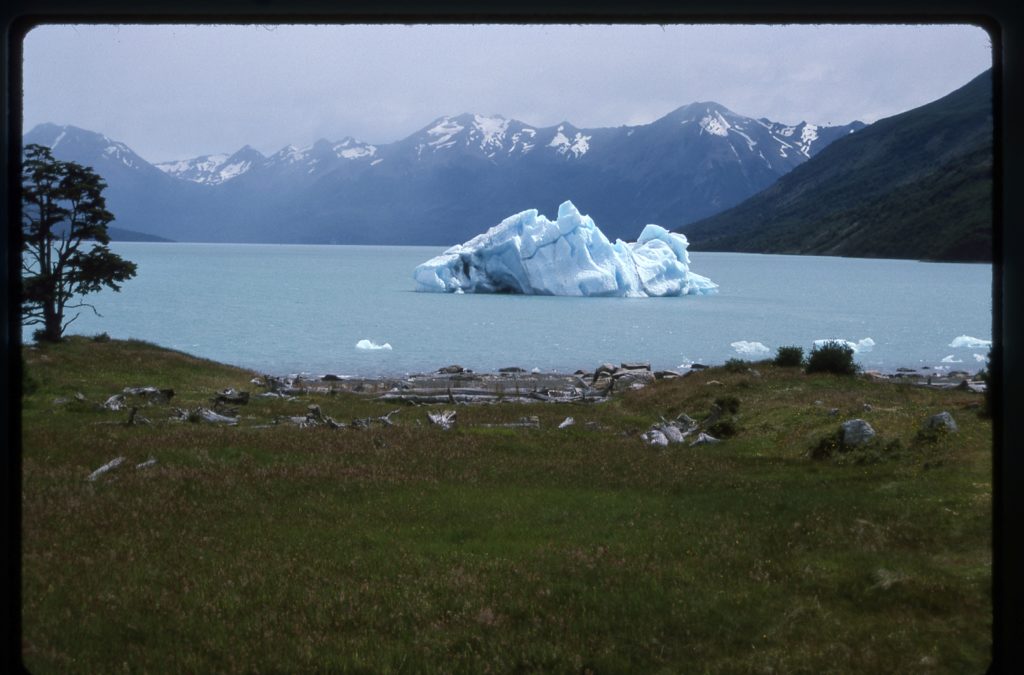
(112, 464)
(444, 419)
(231, 396)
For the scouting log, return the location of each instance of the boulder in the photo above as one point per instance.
(636, 366)
(451, 370)
(942, 420)
(672, 433)
(854, 433)
(629, 378)
(655, 437)
(685, 423)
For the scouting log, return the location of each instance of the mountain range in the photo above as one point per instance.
(915, 185)
(450, 180)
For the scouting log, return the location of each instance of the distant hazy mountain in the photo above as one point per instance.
(119, 234)
(452, 179)
(916, 185)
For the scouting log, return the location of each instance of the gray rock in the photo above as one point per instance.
(628, 378)
(942, 420)
(636, 366)
(685, 423)
(704, 439)
(655, 437)
(666, 375)
(672, 433)
(855, 432)
(451, 370)
(115, 402)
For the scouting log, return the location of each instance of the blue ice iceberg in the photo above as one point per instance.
(529, 254)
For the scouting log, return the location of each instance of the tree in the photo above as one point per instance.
(64, 249)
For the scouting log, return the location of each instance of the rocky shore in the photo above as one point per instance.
(455, 384)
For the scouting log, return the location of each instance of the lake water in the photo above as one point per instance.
(288, 309)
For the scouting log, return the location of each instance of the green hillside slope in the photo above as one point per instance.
(917, 185)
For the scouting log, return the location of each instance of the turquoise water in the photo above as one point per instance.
(287, 309)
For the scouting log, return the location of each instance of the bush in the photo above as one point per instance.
(789, 357)
(101, 337)
(832, 357)
(985, 375)
(724, 428)
(736, 366)
(826, 446)
(728, 404)
(29, 385)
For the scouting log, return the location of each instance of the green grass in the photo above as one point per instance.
(482, 549)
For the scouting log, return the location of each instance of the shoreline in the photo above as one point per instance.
(457, 384)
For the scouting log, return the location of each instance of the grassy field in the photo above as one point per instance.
(487, 549)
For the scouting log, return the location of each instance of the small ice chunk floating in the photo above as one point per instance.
(529, 254)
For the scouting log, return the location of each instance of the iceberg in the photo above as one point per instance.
(529, 254)
(865, 345)
(969, 341)
(370, 345)
(750, 348)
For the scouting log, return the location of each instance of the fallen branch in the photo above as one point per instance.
(444, 419)
(112, 464)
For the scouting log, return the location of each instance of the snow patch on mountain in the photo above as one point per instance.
(444, 131)
(182, 167)
(750, 141)
(715, 124)
(121, 152)
(290, 154)
(350, 148)
(578, 146)
(808, 135)
(491, 130)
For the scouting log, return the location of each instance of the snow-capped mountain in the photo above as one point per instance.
(929, 168)
(452, 178)
(71, 143)
(496, 138)
(213, 169)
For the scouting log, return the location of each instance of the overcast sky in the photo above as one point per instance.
(175, 91)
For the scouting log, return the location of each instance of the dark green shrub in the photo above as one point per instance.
(724, 428)
(826, 446)
(728, 404)
(736, 366)
(832, 357)
(29, 385)
(101, 337)
(985, 375)
(789, 357)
